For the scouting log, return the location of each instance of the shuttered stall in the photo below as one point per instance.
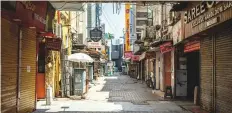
(9, 60)
(206, 73)
(224, 71)
(28, 70)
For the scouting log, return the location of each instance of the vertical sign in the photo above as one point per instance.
(127, 26)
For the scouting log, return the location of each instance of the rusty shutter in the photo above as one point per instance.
(28, 71)
(206, 73)
(224, 70)
(9, 55)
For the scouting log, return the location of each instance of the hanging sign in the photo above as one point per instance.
(53, 43)
(192, 46)
(96, 34)
(166, 47)
(127, 27)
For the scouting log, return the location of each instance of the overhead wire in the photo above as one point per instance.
(110, 20)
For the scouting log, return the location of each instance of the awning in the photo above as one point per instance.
(179, 6)
(68, 5)
(51, 41)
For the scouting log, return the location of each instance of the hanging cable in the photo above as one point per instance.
(62, 6)
(110, 20)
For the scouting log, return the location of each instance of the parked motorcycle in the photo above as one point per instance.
(149, 82)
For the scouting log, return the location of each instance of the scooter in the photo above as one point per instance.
(149, 82)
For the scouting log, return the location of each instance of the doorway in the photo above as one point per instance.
(193, 71)
(167, 68)
(40, 77)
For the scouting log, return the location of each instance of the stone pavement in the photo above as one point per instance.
(114, 94)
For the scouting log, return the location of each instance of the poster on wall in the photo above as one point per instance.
(181, 83)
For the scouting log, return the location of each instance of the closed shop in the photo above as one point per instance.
(28, 71)
(213, 27)
(223, 73)
(9, 66)
(206, 73)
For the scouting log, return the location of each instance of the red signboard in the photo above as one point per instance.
(192, 46)
(53, 43)
(135, 58)
(128, 54)
(32, 13)
(166, 47)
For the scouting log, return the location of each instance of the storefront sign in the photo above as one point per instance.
(31, 16)
(166, 47)
(192, 46)
(28, 5)
(94, 45)
(206, 15)
(135, 58)
(177, 33)
(127, 27)
(53, 43)
(39, 18)
(128, 54)
(96, 34)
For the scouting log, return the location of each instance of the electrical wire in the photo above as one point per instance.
(110, 20)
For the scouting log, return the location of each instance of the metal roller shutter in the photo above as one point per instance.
(28, 71)
(206, 73)
(9, 64)
(224, 71)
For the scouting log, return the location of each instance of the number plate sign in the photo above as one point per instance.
(95, 34)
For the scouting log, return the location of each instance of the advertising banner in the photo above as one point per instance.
(192, 46)
(127, 26)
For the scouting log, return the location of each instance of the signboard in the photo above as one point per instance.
(166, 47)
(32, 13)
(127, 26)
(192, 46)
(94, 45)
(95, 34)
(205, 15)
(53, 43)
(177, 33)
(135, 58)
(128, 54)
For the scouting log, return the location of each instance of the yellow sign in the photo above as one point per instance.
(127, 26)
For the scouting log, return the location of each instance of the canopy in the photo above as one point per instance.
(80, 57)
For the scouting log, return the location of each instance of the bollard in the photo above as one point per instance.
(195, 95)
(49, 95)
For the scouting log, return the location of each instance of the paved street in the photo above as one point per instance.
(118, 93)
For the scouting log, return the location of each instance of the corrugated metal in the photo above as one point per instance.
(206, 73)
(28, 71)
(224, 71)
(9, 63)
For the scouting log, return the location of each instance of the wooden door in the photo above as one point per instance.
(40, 78)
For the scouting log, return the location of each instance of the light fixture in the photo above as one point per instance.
(32, 27)
(17, 20)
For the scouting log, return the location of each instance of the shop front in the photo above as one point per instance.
(165, 50)
(21, 22)
(212, 25)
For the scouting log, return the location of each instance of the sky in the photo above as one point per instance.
(115, 23)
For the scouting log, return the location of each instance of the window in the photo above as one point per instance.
(99, 49)
(141, 14)
(41, 58)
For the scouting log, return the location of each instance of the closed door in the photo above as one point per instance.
(77, 82)
(167, 68)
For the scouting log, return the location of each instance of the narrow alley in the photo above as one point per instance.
(118, 93)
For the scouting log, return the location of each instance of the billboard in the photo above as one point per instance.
(127, 26)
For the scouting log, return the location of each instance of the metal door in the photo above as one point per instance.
(77, 82)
